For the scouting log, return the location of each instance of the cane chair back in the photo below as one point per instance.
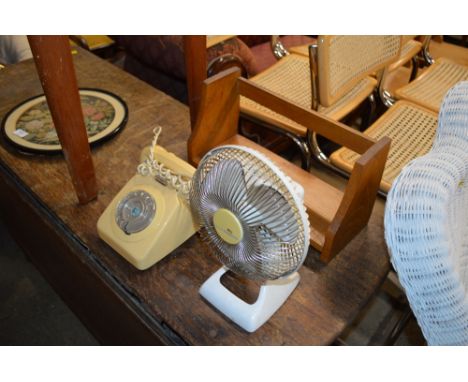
(409, 48)
(343, 61)
(426, 228)
(290, 77)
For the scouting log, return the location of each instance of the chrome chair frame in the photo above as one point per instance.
(300, 143)
(279, 51)
(277, 47)
(384, 94)
(311, 139)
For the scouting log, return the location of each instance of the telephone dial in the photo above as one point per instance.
(150, 216)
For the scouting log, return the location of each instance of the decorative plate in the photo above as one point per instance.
(29, 126)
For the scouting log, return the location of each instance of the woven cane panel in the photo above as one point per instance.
(429, 89)
(345, 60)
(290, 78)
(350, 100)
(411, 129)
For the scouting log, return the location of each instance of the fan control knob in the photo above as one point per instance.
(135, 211)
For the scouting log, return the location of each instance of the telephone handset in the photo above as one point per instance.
(150, 216)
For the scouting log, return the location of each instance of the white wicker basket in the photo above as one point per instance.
(426, 227)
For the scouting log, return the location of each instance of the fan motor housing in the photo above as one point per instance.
(228, 226)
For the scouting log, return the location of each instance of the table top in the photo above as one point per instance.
(328, 297)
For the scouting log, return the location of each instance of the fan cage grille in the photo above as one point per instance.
(272, 221)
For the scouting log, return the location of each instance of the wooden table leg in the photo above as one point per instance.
(195, 65)
(55, 68)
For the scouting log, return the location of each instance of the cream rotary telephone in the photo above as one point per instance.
(150, 216)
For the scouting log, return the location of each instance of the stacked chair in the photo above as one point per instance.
(339, 74)
(412, 120)
(430, 87)
(334, 83)
(426, 227)
(412, 51)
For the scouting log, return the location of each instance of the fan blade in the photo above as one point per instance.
(269, 209)
(223, 187)
(226, 182)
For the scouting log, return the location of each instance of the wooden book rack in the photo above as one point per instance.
(335, 216)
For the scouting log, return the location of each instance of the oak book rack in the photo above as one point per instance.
(335, 216)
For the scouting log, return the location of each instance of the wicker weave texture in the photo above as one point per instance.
(345, 60)
(429, 89)
(453, 119)
(290, 78)
(411, 128)
(426, 227)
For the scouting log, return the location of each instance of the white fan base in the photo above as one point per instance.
(250, 317)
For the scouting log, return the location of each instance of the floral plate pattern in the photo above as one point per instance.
(30, 126)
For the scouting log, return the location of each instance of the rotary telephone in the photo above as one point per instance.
(150, 216)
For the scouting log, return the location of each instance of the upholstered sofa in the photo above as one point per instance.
(159, 60)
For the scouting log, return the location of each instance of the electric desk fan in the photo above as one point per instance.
(254, 220)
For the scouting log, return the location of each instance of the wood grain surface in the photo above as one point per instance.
(327, 299)
(196, 68)
(54, 65)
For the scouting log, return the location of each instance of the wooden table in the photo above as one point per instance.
(122, 305)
